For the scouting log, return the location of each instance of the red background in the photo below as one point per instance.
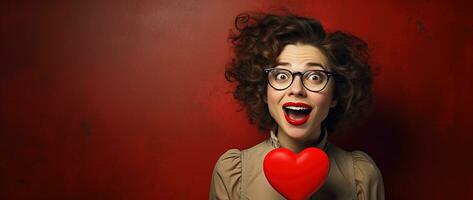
(127, 100)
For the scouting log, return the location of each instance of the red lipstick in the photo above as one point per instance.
(298, 107)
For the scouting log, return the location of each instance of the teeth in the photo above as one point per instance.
(296, 108)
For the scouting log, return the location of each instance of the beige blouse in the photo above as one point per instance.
(239, 174)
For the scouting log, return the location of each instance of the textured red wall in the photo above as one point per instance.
(127, 100)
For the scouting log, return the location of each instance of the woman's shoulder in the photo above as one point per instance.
(230, 160)
(233, 157)
(368, 178)
(227, 174)
(360, 168)
(361, 161)
(365, 167)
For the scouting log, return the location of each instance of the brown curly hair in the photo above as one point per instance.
(259, 38)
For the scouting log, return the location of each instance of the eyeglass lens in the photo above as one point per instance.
(313, 80)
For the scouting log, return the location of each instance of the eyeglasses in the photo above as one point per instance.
(312, 80)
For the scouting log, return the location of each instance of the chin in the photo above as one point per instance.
(297, 133)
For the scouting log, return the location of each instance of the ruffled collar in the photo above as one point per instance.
(322, 143)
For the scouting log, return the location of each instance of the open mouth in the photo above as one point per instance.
(296, 113)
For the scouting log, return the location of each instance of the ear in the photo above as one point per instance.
(333, 103)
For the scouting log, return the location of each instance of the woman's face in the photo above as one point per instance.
(285, 105)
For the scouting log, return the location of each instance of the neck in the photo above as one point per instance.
(297, 145)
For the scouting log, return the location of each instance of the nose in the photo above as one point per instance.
(297, 89)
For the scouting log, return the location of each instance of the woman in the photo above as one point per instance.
(298, 82)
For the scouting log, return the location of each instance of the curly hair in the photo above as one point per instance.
(259, 38)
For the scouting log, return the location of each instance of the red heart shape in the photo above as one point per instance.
(296, 177)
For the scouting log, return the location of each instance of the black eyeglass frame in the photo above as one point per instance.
(294, 74)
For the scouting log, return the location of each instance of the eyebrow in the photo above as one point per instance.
(311, 64)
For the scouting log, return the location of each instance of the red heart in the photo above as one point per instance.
(296, 177)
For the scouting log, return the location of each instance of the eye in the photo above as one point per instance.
(281, 76)
(314, 77)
